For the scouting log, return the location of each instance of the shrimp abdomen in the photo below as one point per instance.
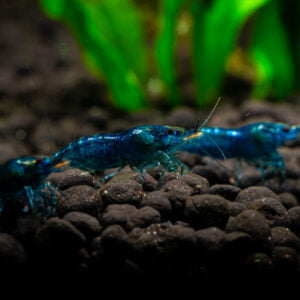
(96, 152)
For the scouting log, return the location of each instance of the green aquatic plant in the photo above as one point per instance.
(215, 31)
(165, 48)
(112, 43)
(113, 40)
(270, 54)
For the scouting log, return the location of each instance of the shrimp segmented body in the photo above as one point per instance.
(140, 147)
(23, 178)
(255, 143)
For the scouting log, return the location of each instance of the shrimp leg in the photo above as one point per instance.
(142, 168)
(30, 196)
(110, 175)
(272, 163)
(170, 163)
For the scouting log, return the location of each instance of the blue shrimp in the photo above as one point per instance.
(140, 147)
(255, 143)
(22, 178)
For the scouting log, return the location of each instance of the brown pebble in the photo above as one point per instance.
(81, 198)
(123, 192)
(252, 193)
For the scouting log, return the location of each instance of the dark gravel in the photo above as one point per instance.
(288, 200)
(255, 224)
(158, 200)
(274, 212)
(72, 177)
(206, 210)
(199, 225)
(227, 191)
(253, 193)
(12, 253)
(129, 192)
(85, 223)
(58, 235)
(170, 226)
(80, 198)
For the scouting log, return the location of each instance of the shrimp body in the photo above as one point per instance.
(140, 147)
(23, 178)
(215, 142)
(91, 153)
(23, 171)
(255, 143)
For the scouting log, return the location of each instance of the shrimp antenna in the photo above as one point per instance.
(218, 162)
(197, 125)
(210, 137)
(210, 114)
(215, 143)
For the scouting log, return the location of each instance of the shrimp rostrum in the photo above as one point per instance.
(254, 143)
(141, 148)
(23, 178)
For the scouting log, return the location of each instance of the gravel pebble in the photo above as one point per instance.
(27, 226)
(96, 251)
(114, 241)
(294, 214)
(236, 243)
(153, 244)
(148, 183)
(123, 192)
(288, 200)
(283, 236)
(292, 186)
(166, 177)
(252, 193)
(284, 259)
(236, 208)
(117, 214)
(81, 198)
(227, 191)
(159, 200)
(143, 217)
(250, 177)
(206, 210)
(255, 224)
(207, 172)
(72, 177)
(128, 216)
(12, 253)
(59, 236)
(209, 239)
(274, 212)
(188, 159)
(178, 191)
(198, 183)
(85, 223)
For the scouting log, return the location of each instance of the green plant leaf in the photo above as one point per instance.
(216, 27)
(271, 54)
(165, 47)
(111, 40)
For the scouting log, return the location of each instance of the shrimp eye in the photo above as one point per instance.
(39, 160)
(171, 131)
(286, 129)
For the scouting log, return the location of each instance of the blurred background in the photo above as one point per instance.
(75, 67)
